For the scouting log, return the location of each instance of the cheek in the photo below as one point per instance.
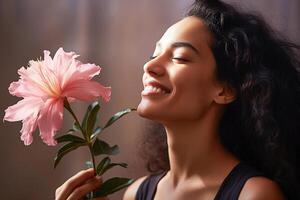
(194, 85)
(189, 100)
(193, 95)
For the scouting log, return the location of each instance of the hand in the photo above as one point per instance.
(78, 186)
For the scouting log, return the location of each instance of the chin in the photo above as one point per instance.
(148, 112)
(143, 111)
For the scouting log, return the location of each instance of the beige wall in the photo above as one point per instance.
(119, 35)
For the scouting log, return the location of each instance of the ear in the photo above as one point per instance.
(225, 95)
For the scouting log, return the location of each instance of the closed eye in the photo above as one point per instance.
(180, 59)
(175, 58)
(152, 57)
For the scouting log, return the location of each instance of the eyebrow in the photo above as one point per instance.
(182, 44)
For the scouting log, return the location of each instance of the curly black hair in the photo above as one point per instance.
(261, 127)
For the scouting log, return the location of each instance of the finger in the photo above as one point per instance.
(66, 189)
(89, 186)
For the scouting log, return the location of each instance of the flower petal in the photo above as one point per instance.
(86, 90)
(80, 71)
(26, 87)
(62, 61)
(23, 109)
(14, 89)
(26, 110)
(29, 125)
(68, 75)
(65, 65)
(87, 71)
(48, 60)
(61, 57)
(50, 120)
(37, 80)
(23, 89)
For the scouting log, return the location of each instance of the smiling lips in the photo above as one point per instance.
(154, 88)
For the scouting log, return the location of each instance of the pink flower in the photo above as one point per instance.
(44, 85)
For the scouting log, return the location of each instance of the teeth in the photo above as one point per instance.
(150, 88)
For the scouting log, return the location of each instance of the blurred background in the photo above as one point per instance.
(118, 35)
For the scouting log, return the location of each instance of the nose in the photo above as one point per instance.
(155, 67)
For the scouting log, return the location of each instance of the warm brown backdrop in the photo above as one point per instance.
(119, 35)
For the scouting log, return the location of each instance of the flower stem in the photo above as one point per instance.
(68, 107)
(93, 158)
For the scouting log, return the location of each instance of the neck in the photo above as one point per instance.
(195, 149)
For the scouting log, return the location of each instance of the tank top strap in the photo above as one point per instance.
(229, 189)
(235, 181)
(147, 189)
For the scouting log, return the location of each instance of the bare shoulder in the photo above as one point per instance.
(132, 189)
(260, 188)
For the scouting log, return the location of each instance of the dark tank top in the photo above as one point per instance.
(229, 190)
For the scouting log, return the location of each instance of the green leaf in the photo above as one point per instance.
(66, 149)
(70, 131)
(76, 126)
(106, 164)
(86, 115)
(96, 132)
(101, 147)
(70, 138)
(124, 165)
(117, 116)
(102, 165)
(92, 118)
(112, 185)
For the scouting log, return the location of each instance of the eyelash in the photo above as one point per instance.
(180, 59)
(152, 57)
(174, 58)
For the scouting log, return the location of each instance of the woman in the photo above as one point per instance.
(226, 90)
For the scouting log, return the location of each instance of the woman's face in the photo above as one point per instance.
(180, 79)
